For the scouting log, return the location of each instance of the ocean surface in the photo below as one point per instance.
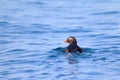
(32, 34)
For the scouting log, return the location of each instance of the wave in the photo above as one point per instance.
(71, 57)
(107, 13)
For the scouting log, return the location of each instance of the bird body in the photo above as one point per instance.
(72, 47)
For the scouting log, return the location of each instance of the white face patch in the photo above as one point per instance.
(71, 39)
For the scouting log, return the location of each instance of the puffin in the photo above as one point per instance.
(72, 47)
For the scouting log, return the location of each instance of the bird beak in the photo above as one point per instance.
(65, 41)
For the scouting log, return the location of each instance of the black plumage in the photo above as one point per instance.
(72, 47)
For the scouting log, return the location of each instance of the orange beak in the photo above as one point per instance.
(65, 41)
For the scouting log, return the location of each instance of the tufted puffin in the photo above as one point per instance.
(72, 47)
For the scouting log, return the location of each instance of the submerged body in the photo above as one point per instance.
(72, 47)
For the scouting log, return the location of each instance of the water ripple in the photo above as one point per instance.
(107, 13)
(32, 34)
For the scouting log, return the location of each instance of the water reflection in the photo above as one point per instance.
(72, 58)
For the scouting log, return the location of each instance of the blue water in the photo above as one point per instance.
(32, 34)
